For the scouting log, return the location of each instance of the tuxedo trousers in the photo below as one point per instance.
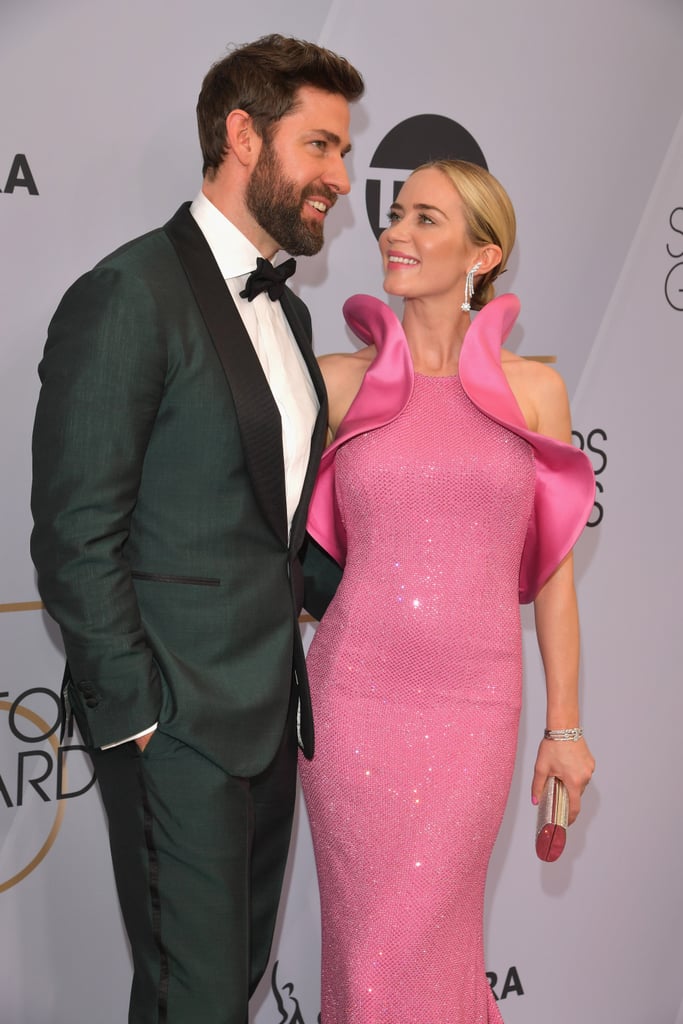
(199, 858)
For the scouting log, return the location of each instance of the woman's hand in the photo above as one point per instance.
(570, 761)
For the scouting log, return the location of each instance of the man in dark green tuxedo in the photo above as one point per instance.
(179, 427)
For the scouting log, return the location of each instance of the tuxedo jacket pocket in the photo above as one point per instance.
(192, 581)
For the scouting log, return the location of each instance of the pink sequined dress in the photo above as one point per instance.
(415, 675)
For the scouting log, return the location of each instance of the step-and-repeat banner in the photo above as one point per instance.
(577, 108)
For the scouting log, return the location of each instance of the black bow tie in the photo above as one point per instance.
(267, 278)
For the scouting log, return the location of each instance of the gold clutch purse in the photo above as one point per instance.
(552, 821)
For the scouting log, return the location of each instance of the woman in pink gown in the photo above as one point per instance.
(450, 492)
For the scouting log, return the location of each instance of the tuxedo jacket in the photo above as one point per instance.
(565, 483)
(160, 535)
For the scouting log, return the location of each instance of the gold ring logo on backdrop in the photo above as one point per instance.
(34, 780)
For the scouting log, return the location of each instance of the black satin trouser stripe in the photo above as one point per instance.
(155, 901)
(199, 858)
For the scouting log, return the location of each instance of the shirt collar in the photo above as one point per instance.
(233, 252)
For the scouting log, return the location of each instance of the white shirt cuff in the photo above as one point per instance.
(119, 743)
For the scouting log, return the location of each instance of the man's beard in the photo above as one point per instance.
(277, 207)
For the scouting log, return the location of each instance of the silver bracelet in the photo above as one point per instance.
(563, 735)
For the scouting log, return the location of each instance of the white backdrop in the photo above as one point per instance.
(577, 108)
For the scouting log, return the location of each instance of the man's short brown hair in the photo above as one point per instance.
(263, 79)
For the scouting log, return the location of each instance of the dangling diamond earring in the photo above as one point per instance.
(469, 287)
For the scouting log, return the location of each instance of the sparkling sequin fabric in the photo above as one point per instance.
(416, 682)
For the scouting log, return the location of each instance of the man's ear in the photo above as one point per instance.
(243, 141)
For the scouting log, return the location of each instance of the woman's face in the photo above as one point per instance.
(426, 251)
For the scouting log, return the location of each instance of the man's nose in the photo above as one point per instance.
(336, 177)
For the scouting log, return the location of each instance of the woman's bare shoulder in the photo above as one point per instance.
(343, 373)
(343, 369)
(348, 362)
(540, 392)
(535, 372)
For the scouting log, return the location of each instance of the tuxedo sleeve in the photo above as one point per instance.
(102, 379)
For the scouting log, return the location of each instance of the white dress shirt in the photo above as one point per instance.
(273, 342)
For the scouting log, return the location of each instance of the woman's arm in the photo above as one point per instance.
(557, 630)
(557, 626)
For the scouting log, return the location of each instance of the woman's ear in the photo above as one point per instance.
(489, 257)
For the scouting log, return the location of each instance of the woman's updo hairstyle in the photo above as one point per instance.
(489, 216)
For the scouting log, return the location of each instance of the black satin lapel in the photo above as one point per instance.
(257, 412)
(320, 428)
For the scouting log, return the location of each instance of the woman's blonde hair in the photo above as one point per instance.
(489, 215)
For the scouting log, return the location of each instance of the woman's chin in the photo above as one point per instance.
(393, 287)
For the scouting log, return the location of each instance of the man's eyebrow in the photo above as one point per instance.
(331, 137)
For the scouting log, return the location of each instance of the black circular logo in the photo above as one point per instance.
(410, 143)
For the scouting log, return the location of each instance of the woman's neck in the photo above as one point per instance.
(435, 333)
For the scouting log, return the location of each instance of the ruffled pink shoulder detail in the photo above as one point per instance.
(385, 390)
(565, 483)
